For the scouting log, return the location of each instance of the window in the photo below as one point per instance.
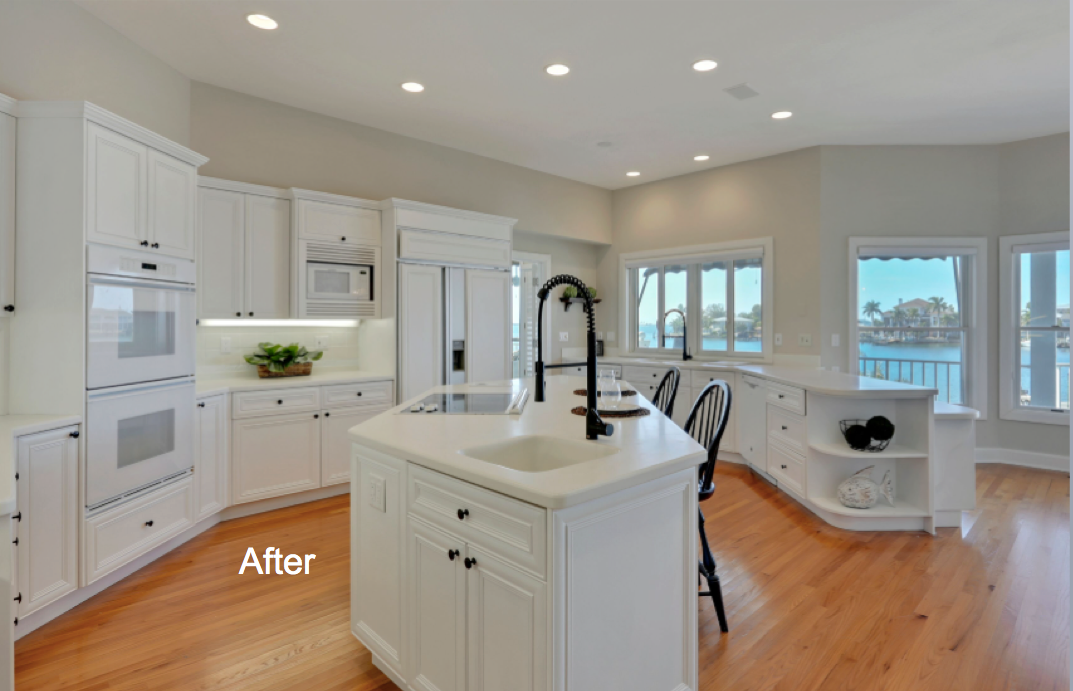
(528, 273)
(713, 299)
(1034, 331)
(917, 315)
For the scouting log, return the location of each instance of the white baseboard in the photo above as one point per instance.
(1027, 459)
(49, 612)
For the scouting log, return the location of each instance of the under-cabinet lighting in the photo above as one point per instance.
(280, 322)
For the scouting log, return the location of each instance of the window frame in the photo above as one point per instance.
(694, 256)
(517, 257)
(1010, 407)
(974, 371)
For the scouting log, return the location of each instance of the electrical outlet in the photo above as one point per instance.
(564, 336)
(804, 339)
(322, 342)
(611, 335)
(778, 339)
(835, 340)
(225, 344)
(377, 493)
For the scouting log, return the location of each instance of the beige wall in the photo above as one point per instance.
(254, 140)
(778, 196)
(53, 50)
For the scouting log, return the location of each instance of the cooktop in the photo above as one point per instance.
(502, 403)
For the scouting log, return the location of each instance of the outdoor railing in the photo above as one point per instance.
(944, 376)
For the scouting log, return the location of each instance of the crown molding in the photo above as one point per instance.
(394, 203)
(243, 187)
(329, 198)
(105, 118)
(9, 105)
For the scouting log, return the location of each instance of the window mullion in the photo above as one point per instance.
(731, 318)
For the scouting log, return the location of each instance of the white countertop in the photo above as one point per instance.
(11, 428)
(211, 385)
(820, 381)
(650, 447)
(949, 411)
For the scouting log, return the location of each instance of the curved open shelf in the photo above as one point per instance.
(901, 509)
(892, 451)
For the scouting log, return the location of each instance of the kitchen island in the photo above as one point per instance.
(495, 551)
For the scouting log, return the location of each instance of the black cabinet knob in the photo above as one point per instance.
(238, 314)
(344, 239)
(144, 243)
(462, 513)
(327, 414)
(251, 314)
(470, 563)
(781, 396)
(279, 402)
(156, 245)
(148, 524)
(9, 308)
(17, 598)
(359, 393)
(201, 405)
(316, 416)
(452, 553)
(784, 428)
(783, 467)
(74, 435)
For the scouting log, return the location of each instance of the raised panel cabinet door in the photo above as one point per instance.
(273, 456)
(172, 205)
(338, 222)
(683, 402)
(507, 627)
(268, 257)
(437, 609)
(221, 256)
(335, 444)
(488, 323)
(210, 456)
(48, 527)
(420, 328)
(116, 189)
(7, 214)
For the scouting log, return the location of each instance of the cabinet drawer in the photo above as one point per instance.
(119, 535)
(511, 529)
(274, 402)
(789, 397)
(700, 379)
(787, 467)
(367, 394)
(787, 429)
(338, 222)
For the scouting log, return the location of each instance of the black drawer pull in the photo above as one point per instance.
(15, 541)
(18, 516)
(9, 308)
(462, 513)
(17, 598)
(781, 396)
(784, 428)
(148, 524)
(783, 467)
(452, 553)
(470, 563)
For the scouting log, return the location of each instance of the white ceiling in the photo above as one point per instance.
(863, 72)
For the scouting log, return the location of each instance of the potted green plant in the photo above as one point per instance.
(275, 360)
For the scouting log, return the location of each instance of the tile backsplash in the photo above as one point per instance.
(342, 350)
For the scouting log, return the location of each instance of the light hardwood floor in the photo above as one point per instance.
(810, 607)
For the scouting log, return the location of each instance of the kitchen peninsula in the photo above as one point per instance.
(504, 551)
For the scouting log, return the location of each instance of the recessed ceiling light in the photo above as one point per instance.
(413, 87)
(262, 21)
(705, 65)
(557, 70)
(632, 174)
(781, 115)
(702, 157)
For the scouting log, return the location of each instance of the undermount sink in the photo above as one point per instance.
(538, 453)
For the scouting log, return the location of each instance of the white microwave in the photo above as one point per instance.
(344, 282)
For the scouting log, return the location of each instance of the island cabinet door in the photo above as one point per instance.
(437, 609)
(507, 626)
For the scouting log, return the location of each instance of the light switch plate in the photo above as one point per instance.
(611, 335)
(225, 344)
(778, 339)
(322, 342)
(564, 336)
(804, 339)
(378, 493)
(835, 340)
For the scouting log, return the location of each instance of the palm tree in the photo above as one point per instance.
(914, 318)
(871, 309)
(937, 305)
(1026, 314)
(950, 319)
(898, 317)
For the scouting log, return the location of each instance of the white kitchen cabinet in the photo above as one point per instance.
(700, 379)
(244, 255)
(210, 456)
(335, 443)
(353, 221)
(46, 529)
(437, 595)
(172, 205)
(275, 455)
(488, 343)
(683, 402)
(420, 328)
(221, 255)
(117, 189)
(8, 125)
(752, 412)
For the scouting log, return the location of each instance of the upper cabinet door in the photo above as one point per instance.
(488, 345)
(324, 221)
(221, 258)
(116, 189)
(172, 204)
(268, 257)
(7, 214)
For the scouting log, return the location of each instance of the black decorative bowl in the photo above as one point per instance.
(858, 443)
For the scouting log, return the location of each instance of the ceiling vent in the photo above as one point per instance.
(742, 91)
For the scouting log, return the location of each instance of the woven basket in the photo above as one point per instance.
(302, 370)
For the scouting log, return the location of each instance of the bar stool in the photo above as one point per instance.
(667, 391)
